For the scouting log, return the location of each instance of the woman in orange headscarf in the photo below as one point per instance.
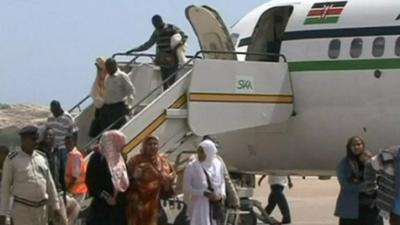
(151, 175)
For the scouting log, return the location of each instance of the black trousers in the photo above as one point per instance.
(367, 216)
(276, 197)
(95, 126)
(166, 72)
(99, 213)
(111, 113)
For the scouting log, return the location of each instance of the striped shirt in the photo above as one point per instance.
(162, 38)
(386, 198)
(62, 125)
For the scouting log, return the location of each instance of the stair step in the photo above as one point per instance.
(176, 113)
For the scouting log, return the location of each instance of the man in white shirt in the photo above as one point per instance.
(118, 90)
(277, 197)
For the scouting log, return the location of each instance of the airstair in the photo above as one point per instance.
(153, 111)
(213, 93)
(210, 96)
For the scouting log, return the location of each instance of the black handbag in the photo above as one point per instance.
(216, 209)
(167, 192)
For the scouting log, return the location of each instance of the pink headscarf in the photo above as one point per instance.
(111, 144)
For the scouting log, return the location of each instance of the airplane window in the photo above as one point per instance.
(378, 47)
(397, 47)
(334, 49)
(356, 48)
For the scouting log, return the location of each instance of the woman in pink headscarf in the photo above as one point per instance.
(107, 180)
(151, 173)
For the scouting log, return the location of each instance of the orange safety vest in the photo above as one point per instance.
(80, 185)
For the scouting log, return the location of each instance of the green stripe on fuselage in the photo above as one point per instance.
(360, 64)
(321, 20)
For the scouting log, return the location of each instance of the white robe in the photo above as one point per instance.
(194, 185)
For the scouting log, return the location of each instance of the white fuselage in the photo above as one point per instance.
(334, 98)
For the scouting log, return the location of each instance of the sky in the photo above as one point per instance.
(48, 47)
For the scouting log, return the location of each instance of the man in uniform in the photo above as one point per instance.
(56, 165)
(26, 177)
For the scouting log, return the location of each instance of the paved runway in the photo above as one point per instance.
(311, 201)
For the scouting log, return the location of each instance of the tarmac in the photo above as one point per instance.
(311, 201)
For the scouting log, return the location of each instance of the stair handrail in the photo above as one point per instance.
(244, 53)
(135, 106)
(172, 75)
(136, 55)
(178, 162)
(133, 60)
(78, 105)
(152, 56)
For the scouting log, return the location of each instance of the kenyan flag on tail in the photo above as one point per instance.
(325, 12)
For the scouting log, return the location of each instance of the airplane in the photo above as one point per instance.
(281, 91)
(338, 79)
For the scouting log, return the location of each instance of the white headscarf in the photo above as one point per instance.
(212, 165)
(195, 179)
(96, 93)
(211, 151)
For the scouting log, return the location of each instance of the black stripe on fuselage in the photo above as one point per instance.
(333, 33)
(334, 4)
(342, 32)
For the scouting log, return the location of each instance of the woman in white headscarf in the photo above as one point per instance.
(204, 185)
(97, 94)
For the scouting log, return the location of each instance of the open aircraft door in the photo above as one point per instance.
(210, 31)
(226, 95)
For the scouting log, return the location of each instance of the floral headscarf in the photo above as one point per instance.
(111, 145)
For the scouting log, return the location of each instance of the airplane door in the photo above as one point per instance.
(227, 95)
(211, 31)
(268, 34)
